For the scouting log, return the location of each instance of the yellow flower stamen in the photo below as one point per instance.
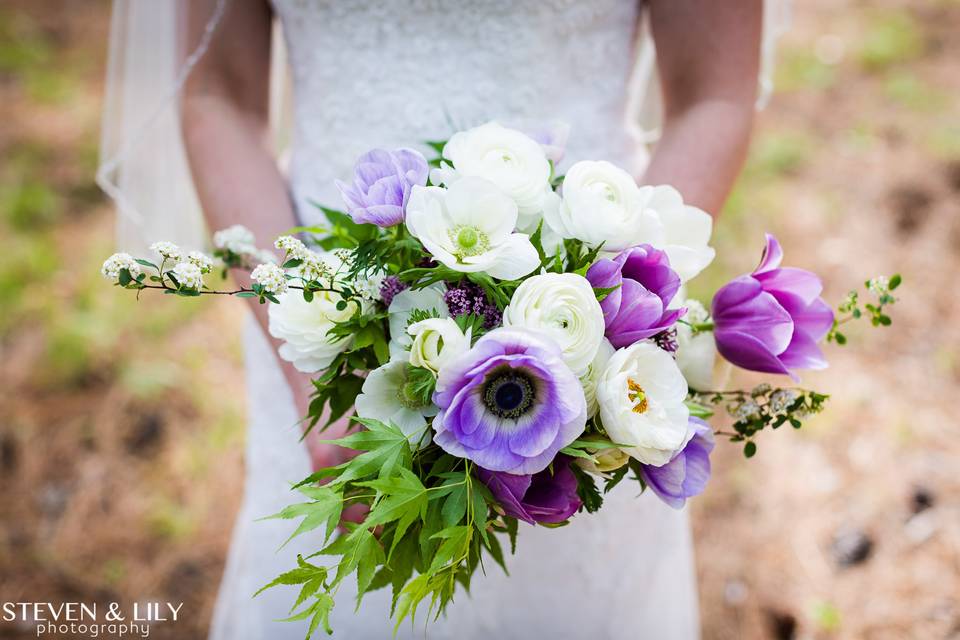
(638, 396)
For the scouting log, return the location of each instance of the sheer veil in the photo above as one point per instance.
(143, 165)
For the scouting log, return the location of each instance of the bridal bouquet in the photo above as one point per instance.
(512, 343)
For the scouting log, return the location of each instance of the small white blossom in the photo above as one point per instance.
(117, 262)
(746, 410)
(313, 267)
(880, 284)
(188, 275)
(782, 398)
(271, 277)
(236, 238)
(294, 248)
(167, 250)
(203, 261)
(368, 287)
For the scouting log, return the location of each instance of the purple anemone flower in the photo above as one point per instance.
(772, 319)
(381, 186)
(509, 403)
(637, 308)
(686, 475)
(546, 497)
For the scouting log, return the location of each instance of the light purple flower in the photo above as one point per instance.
(546, 497)
(772, 319)
(381, 186)
(509, 403)
(637, 309)
(686, 475)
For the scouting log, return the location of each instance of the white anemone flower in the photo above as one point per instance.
(641, 393)
(386, 396)
(469, 227)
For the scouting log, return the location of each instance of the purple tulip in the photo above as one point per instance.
(546, 497)
(686, 475)
(637, 308)
(772, 319)
(382, 181)
(509, 403)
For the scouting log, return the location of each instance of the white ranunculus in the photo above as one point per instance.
(303, 326)
(385, 397)
(686, 231)
(591, 376)
(469, 227)
(564, 306)
(435, 342)
(641, 394)
(696, 352)
(603, 204)
(513, 161)
(428, 299)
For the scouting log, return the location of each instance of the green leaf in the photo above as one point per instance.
(603, 292)
(124, 277)
(452, 548)
(325, 509)
(749, 448)
(403, 498)
(455, 506)
(385, 448)
(246, 294)
(698, 410)
(305, 572)
(895, 281)
(147, 263)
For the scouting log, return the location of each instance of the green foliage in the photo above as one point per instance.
(762, 407)
(429, 522)
(891, 37)
(881, 288)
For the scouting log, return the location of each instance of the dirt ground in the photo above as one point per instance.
(121, 438)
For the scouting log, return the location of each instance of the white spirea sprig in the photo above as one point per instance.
(117, 262)
(189, 275)
(167, 250)
(201, 260)
(292, 247)
(236, 238)
(271, 277)
(313, 267)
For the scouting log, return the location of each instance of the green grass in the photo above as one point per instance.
(891, 38)
(799, 68)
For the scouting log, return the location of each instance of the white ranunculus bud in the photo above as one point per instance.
(696, 352)
(641, 394)
(435, 342)
(117, 262)
(564, 306)
(271, 277)
(592, 375)
(513, 161)
(428, 300)
(607, 459)
(188, 275)
(303, 327)
(167, 250)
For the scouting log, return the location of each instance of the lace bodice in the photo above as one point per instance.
(372, 73)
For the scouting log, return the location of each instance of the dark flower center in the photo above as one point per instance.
(509, 394)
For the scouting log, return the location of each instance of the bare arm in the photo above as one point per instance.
(708, 56)
(225, 120)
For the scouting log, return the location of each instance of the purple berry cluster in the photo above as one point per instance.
(469, 298)
(390, 287)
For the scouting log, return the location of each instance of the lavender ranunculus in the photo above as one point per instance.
(509, 403)
(772, 319)
(381, 186)
(547, 497)
(637, 308)
(686, 475)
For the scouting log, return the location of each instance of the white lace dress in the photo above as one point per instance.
(389, 74)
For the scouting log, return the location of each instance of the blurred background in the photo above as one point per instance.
(121, 432)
